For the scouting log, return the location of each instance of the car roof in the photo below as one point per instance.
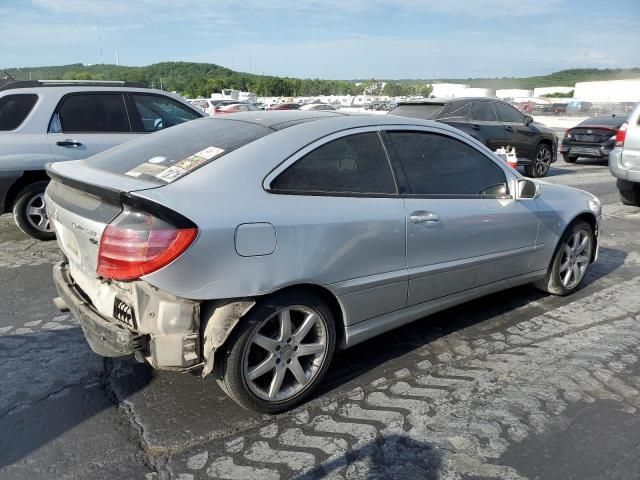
(279, 120)
(444, 101)
(15, 84)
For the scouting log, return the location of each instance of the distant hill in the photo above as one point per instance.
(201, 79)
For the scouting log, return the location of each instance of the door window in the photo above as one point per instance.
(14, 110)
(439, 165)
(91, 113)
(352, 164)
(483, 112)
(158, 112)
(508, 113)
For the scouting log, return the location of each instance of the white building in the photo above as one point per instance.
(542, 91)
(478, 92)
(449, 90)
(608, 91)
(514, 93)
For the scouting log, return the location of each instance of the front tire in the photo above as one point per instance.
(30, 214)
(279, 352)
(570, 261)
(569, 159)
(541, 162)
(629, 192)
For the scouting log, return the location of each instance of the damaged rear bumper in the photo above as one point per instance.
(105, 338)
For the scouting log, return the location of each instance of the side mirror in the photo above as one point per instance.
(528, 119)
(528, 189)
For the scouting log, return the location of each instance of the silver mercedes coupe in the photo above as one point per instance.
(251, 247)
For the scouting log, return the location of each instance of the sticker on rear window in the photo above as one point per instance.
(172, 173)
(209, 152)
(145, 169)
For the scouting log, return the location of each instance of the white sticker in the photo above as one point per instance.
(157, 159)
(209, 152)
(145, 169)
(172, 173)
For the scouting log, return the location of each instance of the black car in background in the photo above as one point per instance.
(494, 123)
(593, 138)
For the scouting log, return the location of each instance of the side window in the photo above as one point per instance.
(508, 113)
(439, 165)
(483, 112)
(91, 113)
(353, 164)
(14, 110)
(157, 112)
(458, 112)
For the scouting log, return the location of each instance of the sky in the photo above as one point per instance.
(337, 39)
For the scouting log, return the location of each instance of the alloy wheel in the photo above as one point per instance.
(37, 213)
(543, 161)
(575, 259)
(285, 353)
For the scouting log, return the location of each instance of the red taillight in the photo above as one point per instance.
(621, 134)
(137, 243)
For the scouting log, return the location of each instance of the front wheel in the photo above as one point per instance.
(569, 158)
(279, 352)
(570, 261)
(541, 162)
(30, 213)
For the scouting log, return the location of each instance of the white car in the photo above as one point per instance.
(317, 106)
(49, 121)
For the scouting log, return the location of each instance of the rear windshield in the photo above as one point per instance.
(605, 121)
(165, 156)
(14, 109)
(426, 111)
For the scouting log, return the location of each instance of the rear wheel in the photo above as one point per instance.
(30, 213)
(279, 352)
(570, 261)
(629, 192)
(541, 162)
(569, 158)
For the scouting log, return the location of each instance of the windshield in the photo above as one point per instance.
(173, 153)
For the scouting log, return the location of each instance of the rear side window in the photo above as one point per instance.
(439, 165)
(157, 112)
(483, 112)
(173, 153)
(352, 164)
(14, 110)
(508, 113)
(427, 111)
(91, 113)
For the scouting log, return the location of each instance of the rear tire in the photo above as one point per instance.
(30, 214)
(541, 163)
(570, 261)
(629, 192)
(287, 355)
(569, 159)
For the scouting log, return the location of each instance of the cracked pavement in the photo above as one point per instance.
(515, 385)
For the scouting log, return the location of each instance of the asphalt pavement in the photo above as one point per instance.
(514, 385)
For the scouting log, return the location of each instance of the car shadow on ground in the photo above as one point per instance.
(55, 394)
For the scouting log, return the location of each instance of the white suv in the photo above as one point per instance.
(624, 159)
(49, 121)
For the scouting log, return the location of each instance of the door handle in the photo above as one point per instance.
(69, 143)
(509, 129)
(475, 127)
(423, 216)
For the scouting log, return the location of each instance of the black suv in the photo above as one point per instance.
(494, 123)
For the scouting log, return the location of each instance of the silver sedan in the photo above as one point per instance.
(253, 246)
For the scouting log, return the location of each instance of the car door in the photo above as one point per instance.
(516, 132)
(464, 227)
(88, 123)
(339, 203)
(484, 125)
